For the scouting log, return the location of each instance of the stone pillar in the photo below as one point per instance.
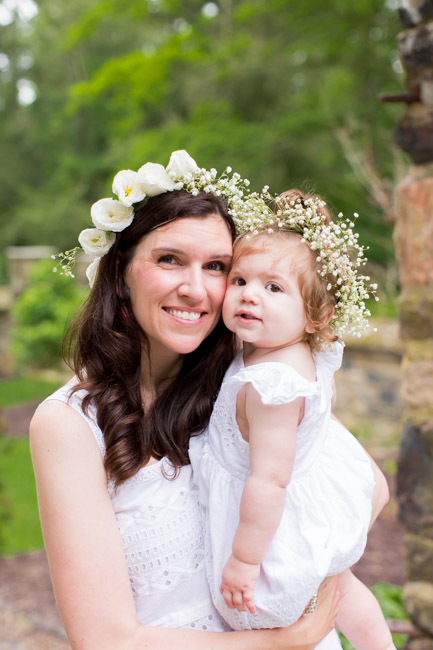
(414, 248)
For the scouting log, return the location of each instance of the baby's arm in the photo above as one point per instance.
(272, 439)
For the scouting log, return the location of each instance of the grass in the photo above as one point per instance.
(20, 530)
(25, 388)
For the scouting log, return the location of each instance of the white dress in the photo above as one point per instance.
(328, 500)
(160, 525)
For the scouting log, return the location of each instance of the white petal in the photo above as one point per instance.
(127, 186)
(96, 242)
(109, 214)
(92, 271)
(154, 179)
(181, 163)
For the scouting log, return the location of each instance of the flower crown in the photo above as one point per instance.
(251, 212)
(337, 250)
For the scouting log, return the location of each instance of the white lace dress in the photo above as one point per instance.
(328, 500)
(161, 528)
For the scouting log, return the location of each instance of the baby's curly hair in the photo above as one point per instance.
(318, 300)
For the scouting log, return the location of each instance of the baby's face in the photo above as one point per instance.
(263, 304)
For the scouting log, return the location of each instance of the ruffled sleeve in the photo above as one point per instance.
(330, 356)
(276, 383)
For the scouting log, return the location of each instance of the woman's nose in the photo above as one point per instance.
(192, 285)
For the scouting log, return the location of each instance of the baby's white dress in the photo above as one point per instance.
(160, 524)
(328, 500)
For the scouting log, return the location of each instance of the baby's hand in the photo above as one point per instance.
(237, 586)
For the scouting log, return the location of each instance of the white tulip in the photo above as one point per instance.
(109, 214)
(96, 242)
(128, 188)
(181, 164)
(154, 179)
(92, 271)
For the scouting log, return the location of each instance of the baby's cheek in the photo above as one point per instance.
(226, 306)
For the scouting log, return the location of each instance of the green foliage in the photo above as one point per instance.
(21, 530)
(40, 314)
(25, 388)
(390, 600)
(262, 86)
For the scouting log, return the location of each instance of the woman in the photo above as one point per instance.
(119, 513)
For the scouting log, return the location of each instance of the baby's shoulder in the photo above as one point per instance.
(297, 357)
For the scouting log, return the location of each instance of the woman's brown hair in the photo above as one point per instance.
(106, 344)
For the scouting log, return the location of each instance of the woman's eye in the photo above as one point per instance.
(167, 259)
(273, 287)
(216, 266)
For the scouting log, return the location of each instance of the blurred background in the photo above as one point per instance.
(287, 93)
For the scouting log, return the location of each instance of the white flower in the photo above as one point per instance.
(92, 271)
(127, 186)
(109, 214)
(154, 179)
(181, 164)
(96, 242)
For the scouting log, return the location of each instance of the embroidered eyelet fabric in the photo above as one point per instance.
(328, 500)
(160, 523)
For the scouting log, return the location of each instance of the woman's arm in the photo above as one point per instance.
(272, 442)
(87, 561)
(305, 634)
(81, 536)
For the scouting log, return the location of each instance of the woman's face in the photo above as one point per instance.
(177, 280)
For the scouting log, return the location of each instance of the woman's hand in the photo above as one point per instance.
(309, 630)
(237, 585)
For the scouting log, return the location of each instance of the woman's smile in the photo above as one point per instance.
(184, 315)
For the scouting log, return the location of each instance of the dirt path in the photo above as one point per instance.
(28, 615)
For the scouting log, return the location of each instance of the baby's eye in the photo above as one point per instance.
(239, 282)
(271, 286)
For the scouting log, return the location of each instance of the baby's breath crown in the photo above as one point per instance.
(335, 244)
(337, 250)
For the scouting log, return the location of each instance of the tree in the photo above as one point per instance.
(260, 86)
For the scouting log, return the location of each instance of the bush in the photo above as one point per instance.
(40, 315)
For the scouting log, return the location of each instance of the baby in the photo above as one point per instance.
(287, 489)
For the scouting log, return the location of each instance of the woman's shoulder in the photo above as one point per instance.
(60, 418)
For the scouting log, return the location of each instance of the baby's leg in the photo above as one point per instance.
(360, 617)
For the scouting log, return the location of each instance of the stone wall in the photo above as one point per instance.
(369, 385)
